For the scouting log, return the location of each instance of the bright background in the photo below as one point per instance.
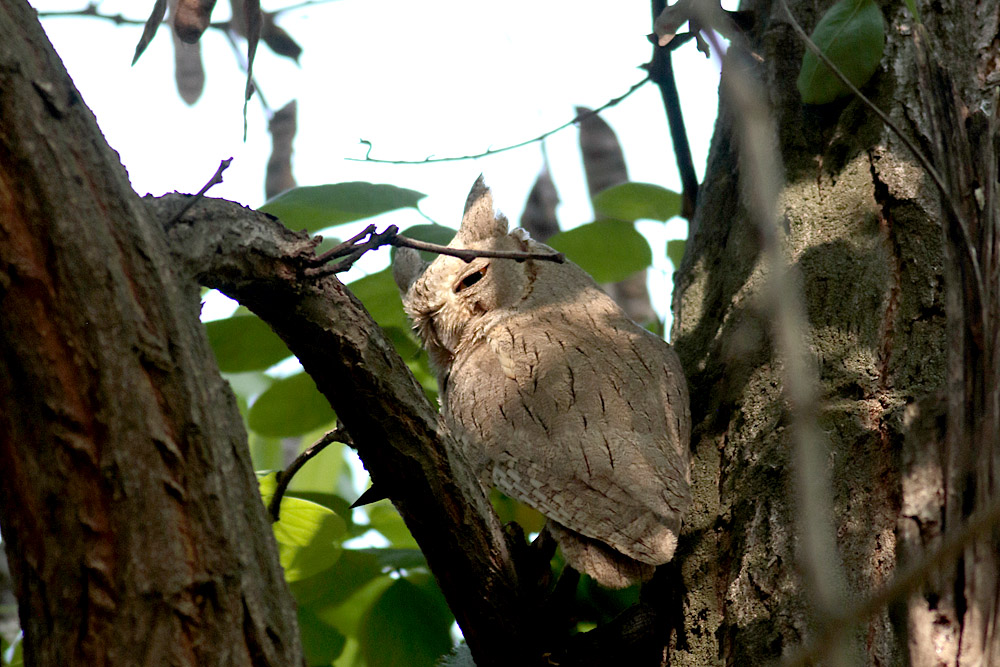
(437, 77)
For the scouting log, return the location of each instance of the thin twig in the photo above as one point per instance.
(90, 11)
(661, 71)
(924, 161)
(494, 151)
(353, 248)
(215, 180)
(467, 255)
(285, 476)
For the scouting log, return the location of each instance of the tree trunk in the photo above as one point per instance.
(130, 511)
(864, 229)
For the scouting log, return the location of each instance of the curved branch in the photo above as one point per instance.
(257, 261)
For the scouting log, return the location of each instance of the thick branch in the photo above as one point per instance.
(254, 259)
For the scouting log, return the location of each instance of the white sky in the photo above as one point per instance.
(441, 77)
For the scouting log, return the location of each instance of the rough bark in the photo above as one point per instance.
(863, 229)
(130, 510)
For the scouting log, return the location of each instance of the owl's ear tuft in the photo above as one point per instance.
(407, 267)
(479, 222)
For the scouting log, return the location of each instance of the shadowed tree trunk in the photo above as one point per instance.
(130, 510)
(863, 227)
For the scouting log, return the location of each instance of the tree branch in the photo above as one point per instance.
(410, 455)
(284, 477)
(353, 248)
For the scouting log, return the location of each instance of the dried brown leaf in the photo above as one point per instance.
(149, 31)
(251, 9)
(189, 72)
(603, 160)
(191, 19)
(279, 166)
(238, 23)
(278, 40)
(539, 216)
(604, 164)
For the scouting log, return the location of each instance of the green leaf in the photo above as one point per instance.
(609, 250)
(408, 625)
(249, 385)
(333, 587)
(379, 294)
(637, 201)
(852, 35)
(308, 535)
(245, 343)
(266, 452)
(438, 234)
(17, 654)
(313, 207)
(508, 509)
(385, 519)
(291, 406)
(675, 252)
(912, 6)
(322, 643)
(398, 559)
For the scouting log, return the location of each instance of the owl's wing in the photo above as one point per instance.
(583, 422)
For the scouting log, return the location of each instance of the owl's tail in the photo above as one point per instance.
(606, 566)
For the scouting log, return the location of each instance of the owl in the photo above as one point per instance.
(555, 397)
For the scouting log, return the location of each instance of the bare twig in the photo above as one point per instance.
(467, 255)
(661, 71)
(353, 248)
(494, 151)
(215, 180)
(90, 11)
(285, 476)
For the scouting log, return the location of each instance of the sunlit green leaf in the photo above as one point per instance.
(379, 294)
(245, 343)
(408, 625)
(308, 537)
(637, 201)
(852, 35)
(291, 406)
(313, 207)
(609, 250)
